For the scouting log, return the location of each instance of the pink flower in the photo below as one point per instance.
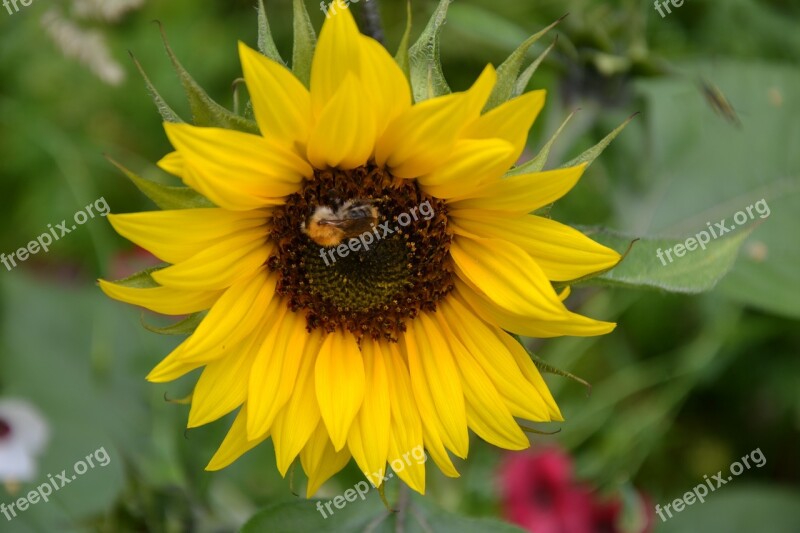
(541, 495)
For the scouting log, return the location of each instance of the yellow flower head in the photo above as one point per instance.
(363, 266)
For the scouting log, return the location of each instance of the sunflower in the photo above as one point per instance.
(370, 353)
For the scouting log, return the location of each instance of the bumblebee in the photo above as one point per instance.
(329, 227)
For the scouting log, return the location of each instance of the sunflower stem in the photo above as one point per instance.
(371, 18)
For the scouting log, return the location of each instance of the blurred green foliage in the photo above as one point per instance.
(684, 386)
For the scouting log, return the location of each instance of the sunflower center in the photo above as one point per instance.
(362, 251)
(5, 429)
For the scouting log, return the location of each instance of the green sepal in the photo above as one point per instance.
(205, 111)
(534, 431)
(182, 327)
(401, 57)
(594, 152)
(547, 368)
(266, 44)
(540, 160)
(166, 112)
(141, 280)
(508, 72)
(165, 196)
(305, 39)
(425, 66)
(527, 74)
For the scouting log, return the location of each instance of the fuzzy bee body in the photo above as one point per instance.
(329, 227)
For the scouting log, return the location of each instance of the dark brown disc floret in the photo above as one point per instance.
(384, 257)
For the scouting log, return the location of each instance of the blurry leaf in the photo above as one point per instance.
(182, 327)
(304, 41)
(401, 57)
(165, 196)
(266, 45)
(427, 78)
(537, 163)
(362, 516)
(707, 169)
(486, 26)
(647, 264)
(594, 152)
(508, 72)
(739, 510)
(527, 74)
(205, 111)
(164, 109)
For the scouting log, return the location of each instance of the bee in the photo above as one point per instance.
(328, 226)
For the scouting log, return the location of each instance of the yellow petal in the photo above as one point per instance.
(176, 235)
(340, 382)
(282, 105)
(406, 425)
(162, 300)
(506, 275)
(384, 84)
(510, 121)
(562, 252)
(295, 423)
(433, 379)
(368, 439)
(172, 163)
(531, 373)
(235, 444)
(222, 386)
(471, 163)
(524, 193)
(219, 265)
(487, 413)
(344, 135)
(237, 313)
(419, 139)
(274, 374)
(494, 359)
(338, 54)
(320, 460)
(236, 170)
(568, 324)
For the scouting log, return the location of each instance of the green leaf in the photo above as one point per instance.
(594, 152)
(164, 109)
(182, 327)
(366, 515)
(305, 39)
(205, 111)
(508, 72)
(738, 509)
(694, 272)
(401, 57)
(540, 160)
(425, 66)
(703, 167)
(165, 196)
(266, 44)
